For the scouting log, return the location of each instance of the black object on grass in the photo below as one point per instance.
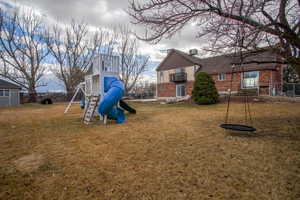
(238, 127)
(125, 106)
(47, 101)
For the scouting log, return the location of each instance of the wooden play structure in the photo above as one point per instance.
(103, 90)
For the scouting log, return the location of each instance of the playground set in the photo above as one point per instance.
(103, 91)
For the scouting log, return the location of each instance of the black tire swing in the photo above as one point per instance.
(238, 127)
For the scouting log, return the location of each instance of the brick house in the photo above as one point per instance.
(176, 74)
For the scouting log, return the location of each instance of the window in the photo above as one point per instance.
(180, 90)
(196, 67)
(4, 93)
(161, 74)
(104, 68)
(88, 86)
(222, 77)
(178, 70)
(250, 79)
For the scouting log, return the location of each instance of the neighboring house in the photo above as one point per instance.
(176, 74)
(9, 94)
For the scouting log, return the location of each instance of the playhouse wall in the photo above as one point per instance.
(88, 84)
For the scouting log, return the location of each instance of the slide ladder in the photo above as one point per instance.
(90, 109)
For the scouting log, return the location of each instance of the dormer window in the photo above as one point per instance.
(178, 70)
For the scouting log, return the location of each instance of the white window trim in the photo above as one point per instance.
(220, 75)
(176, 90)
(196, 67)
(8, 93)
(242, 80)
(161, 76)
(9, 97)
(179, 70)
(89, 82)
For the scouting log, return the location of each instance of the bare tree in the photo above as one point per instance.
(290, 76)
(132, 62)
(23, 49)
(273, 23)
(73, 48)
(144, 89)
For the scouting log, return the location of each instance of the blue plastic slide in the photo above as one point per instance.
(114, 91)
(82, 103)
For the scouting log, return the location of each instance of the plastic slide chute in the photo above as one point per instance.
(114, 91)
(82, 103)
(127, 107)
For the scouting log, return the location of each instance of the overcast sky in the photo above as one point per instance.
(108, 13)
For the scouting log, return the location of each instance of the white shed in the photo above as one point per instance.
(9, 94)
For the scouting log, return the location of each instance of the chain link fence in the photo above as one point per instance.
(25, 97)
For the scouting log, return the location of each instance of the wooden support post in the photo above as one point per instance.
(72, 100)
(105, 119)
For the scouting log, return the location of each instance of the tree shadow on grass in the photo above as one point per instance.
(272, 127)
(263, 135)
(241, 134)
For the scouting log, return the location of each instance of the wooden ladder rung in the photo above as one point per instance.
(92, 104)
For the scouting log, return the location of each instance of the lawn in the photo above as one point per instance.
(162, 152)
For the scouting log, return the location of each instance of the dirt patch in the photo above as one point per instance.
(29, 163)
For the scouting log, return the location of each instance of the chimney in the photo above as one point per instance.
(193, 52)
(169, 50)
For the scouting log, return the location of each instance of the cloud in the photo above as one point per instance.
(148, 78)
(5, 5)
(109, 13)
(52, 84)
(95, 12)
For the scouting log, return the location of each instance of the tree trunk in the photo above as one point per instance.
(70, 92)
(32, 95)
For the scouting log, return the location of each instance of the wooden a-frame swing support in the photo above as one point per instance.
(80, 87)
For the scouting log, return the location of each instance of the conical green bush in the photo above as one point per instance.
(204, 91)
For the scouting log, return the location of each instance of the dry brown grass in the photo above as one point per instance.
(163, 152)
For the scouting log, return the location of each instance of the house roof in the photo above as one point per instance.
(217, 64)
(176, 59)
(8, 85)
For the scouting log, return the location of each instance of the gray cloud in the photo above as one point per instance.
(95, 12)
(109, 13)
